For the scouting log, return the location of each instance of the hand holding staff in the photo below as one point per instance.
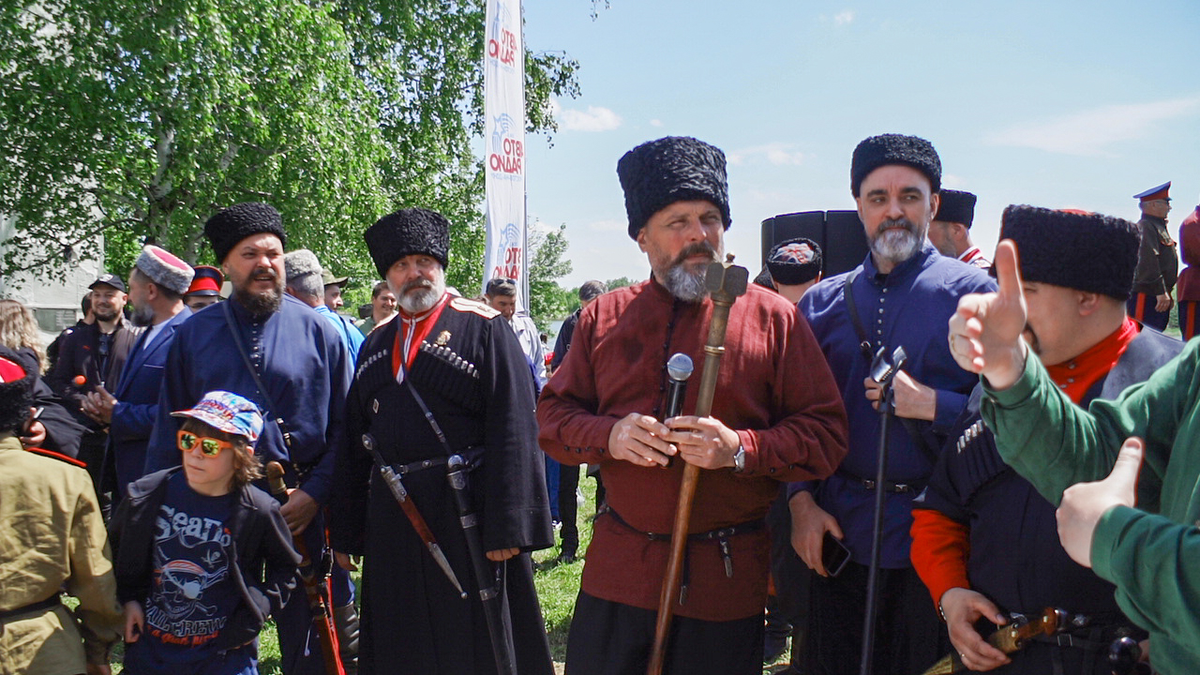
(725, 282)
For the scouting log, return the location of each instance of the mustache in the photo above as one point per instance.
(698, 248)
(898, 224)
(264, 272)
(423, 284)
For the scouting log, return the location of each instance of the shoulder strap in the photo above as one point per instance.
(433, 423)
(241, 349)
(864, 345)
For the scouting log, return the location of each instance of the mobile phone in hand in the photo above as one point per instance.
(834, 555)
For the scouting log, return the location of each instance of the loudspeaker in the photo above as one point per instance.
(840, 235)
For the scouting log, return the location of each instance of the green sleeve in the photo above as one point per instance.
(1054, 443)
(1152, 562)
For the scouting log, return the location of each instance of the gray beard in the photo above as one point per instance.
(896, 245)
(417, 300)
(686, 286)
(142, 316)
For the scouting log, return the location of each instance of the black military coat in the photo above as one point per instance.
(473, 377)
(1016, 559)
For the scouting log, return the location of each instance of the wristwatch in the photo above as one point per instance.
(739, 458)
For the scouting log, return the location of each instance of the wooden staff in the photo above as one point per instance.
(314, 583)
(725, 282)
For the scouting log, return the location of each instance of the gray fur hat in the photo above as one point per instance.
(299, 263)
(164, 269)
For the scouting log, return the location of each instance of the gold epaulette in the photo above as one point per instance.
(465, 305)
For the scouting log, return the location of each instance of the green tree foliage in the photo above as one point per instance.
(549, 302)
(138, 119)
(619, 282)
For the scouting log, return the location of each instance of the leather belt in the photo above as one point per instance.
(49, 603)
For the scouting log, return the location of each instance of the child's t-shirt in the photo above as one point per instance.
(193, 591)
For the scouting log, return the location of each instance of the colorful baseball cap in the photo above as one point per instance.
(228, 412)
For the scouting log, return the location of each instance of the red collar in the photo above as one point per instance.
(971, 254)
(1076, 376)
(412, 330)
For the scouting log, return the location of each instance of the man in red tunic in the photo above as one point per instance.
(777, 416)
(1188, 291)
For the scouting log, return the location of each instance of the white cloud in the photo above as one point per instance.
(778, 154)
(656, 123)
(843, 17)
(952, 181)
(1088, 133)
(608, 226)
(594, 118)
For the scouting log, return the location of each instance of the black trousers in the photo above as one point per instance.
(908, 635)
(568, 508)
(608, 638)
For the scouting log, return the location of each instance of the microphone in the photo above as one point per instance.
(679, 369)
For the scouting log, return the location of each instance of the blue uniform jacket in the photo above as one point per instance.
(137, 395)
(301, 361)
(909, 307)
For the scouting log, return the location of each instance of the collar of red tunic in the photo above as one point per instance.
(971, 254)
(1076, 376)
(412, 330)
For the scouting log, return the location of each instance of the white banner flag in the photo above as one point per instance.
(504, 146)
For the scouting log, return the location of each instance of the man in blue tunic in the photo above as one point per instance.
(274, 350)
(304, 282)
(898, 297)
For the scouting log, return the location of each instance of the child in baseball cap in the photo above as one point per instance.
(202, 555)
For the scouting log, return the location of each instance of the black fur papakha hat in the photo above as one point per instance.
(889, 149)
(229, 226)
(1088, 252)
(408, 232)
(956, 206)
(16, 389)
(672, 169)
(794, 261)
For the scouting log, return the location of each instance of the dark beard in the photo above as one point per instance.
(106, 317)
(141, 316)
(682, 282)
(262, 305)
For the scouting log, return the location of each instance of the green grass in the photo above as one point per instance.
(557, 587)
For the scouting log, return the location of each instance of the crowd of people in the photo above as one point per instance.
(190, 463)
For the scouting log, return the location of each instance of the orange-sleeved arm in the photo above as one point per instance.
(940, 548)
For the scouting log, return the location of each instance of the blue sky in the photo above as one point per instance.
(1056, 104)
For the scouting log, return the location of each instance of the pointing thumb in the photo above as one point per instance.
(1129, 464)
(1008, 266)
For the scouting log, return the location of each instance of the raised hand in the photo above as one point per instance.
(1084, 503)
(985, 332)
